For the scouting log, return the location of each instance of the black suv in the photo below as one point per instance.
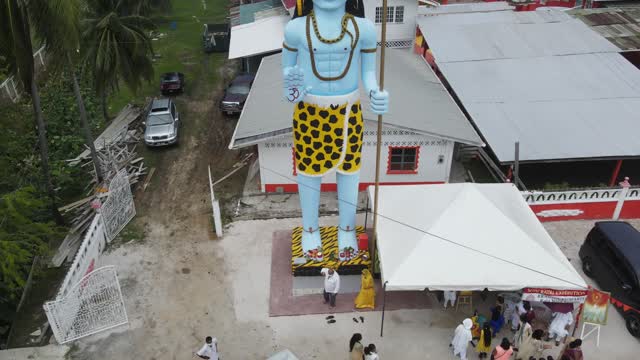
(611, 255)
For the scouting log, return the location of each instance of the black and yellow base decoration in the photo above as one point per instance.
(329, 235)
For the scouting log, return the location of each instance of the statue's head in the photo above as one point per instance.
(353, 7)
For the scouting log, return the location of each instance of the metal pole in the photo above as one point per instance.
(383, 45)
(516, 165)
(384, 302)
(366, 212)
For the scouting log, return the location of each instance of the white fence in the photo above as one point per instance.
(91, 305)
(9, 87)
(119, 207)
(578, 196)
(94, 241)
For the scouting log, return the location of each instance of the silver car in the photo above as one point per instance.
(163, 123)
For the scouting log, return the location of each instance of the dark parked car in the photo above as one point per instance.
(171, 82)
(611, 255)
(236, 94)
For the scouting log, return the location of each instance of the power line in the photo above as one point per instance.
(436, 236)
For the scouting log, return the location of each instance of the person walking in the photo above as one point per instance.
(461, 338)
(533, 346)
(524, 332)
(370, 352)
(331, 286)
(356, 350)
(502, 351)
(209, 350)
(572, 351)
(484, 344)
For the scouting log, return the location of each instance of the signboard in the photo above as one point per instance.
(596, 307)
(119, 208)
(554, 296)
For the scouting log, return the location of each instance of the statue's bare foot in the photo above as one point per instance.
(312, 245)
(347, 244)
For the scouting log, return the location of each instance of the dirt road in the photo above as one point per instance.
(178, 254)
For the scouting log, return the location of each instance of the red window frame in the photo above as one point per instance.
(415, 168)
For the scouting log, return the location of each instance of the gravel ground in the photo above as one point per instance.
(179, 289)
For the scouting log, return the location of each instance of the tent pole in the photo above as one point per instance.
(366, 212)
(384, 304)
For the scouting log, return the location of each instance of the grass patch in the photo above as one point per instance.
(179, 50)
(132, 233)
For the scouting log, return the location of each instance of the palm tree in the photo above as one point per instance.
(116, 46)
(15, 43)
(56, 22)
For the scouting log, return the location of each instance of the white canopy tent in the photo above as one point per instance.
(466, 237)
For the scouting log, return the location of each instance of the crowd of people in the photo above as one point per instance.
(527, 340)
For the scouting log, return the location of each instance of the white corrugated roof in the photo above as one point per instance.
(465, 7)
(507, 34)
(418, 102)
(259, 37)
(557, 87)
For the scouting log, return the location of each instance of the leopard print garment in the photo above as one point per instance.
(319, 138)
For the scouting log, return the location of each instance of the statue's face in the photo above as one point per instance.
(329, 4)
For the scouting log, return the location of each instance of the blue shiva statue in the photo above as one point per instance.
(328, 48)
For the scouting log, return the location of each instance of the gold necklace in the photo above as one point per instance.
(354, 42)
(345, 17)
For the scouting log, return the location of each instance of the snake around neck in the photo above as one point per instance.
(311, 20)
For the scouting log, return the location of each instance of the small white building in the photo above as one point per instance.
(419, 133)
(265, 34)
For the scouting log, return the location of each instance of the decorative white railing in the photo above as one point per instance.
(9, 85)
(579, 196)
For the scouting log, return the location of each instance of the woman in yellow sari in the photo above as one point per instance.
(366, 299)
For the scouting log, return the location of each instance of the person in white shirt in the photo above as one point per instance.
(370, 353)
(331, 285)
(559, 326)
(209, 350)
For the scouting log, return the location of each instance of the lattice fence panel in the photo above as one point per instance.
(92, 305)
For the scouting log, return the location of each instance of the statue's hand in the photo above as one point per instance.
(294, 89)
(379, 101)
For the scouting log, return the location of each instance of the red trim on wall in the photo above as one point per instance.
(395, 172)
(332, 187)
(594, 210)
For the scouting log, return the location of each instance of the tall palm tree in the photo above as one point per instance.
(57, 22)
(116, 46)
(15, 43)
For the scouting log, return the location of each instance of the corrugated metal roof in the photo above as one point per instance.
(617, 25)
(543, 79)
(419, 102)
(505, 34)
(558, 107)
(465, 8)
(259, 37)
(249, 12)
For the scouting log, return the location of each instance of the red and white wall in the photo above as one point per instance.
(584, 204)
(277, 172)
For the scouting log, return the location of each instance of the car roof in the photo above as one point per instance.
(160, 104)
(625, 238)
(242, 79)
(170, 75)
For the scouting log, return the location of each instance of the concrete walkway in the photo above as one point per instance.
(49, 352)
